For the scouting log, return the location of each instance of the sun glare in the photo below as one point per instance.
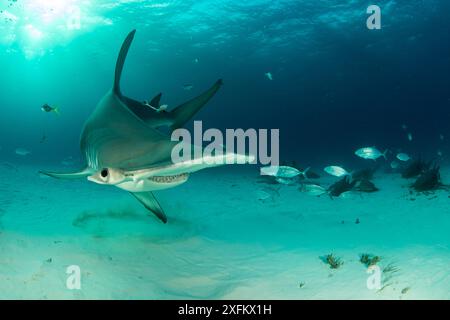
(52, 12)
(34, 33)
(39, 25)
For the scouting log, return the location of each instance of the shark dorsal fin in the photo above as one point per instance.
(155, 103)
(121, 60)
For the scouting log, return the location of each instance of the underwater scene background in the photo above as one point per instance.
(311, 69)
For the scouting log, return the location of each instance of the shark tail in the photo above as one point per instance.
(183, 113)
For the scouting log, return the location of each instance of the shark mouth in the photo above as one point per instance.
(170, 179)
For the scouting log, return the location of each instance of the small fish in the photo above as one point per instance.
(350, 195)
(313, 189)
(47, 108)
(22, 151)
(159, 109)
(371, 153)
(441, 136)
(267, 194)
(410, 137)
(285, 181)
(263, 195)
(269, 76)
(188, 87)
(196, 60)
(403, 157)
(336, 171)
(404, 126)
(269, 171)
(162, 108)
(280, 171)
(439, 153)
(394, 164)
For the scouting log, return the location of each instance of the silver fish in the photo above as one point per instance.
(403, 157)
(336, 171)
(410, 137)
(22, 152)
(282, 171)
(350, 195)
(313, 189)
(394, 164)
(285, 181)
(267, 194)
(371, 153)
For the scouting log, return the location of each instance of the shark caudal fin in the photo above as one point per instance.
(148, 200)
(121, 60)
(70, 175)
(183, 113)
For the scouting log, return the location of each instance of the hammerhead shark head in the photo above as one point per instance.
(123, 145)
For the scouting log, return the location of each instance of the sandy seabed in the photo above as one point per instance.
(228, 237)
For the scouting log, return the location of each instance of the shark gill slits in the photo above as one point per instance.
(169, 179)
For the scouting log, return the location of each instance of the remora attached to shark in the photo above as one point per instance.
(124, 148)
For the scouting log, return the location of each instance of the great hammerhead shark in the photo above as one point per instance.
(123, 145)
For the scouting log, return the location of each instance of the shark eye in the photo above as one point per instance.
(104, 173)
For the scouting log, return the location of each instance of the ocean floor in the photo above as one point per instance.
(228, 237)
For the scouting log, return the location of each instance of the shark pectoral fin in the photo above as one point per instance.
(149, 201)
(70, 175)
(187, 110)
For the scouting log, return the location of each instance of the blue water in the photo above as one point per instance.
(337, 86)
